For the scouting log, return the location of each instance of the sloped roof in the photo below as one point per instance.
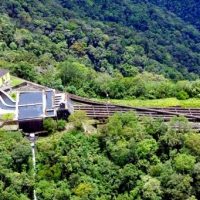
(3, 72)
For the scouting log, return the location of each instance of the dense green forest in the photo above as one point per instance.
(128, 158)
(16, 175)
(188, 10)
(97, 41)
(120, 49)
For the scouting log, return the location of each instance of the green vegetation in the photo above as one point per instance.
(16, 180)
(188, 10)
(167, 102)
(7, 116)
(61, 125)
(116, 49)
(50, 125)
(16, 81)
(122, 49)
(127, 159)
(78, 118)
(13, 95)
(94, 48)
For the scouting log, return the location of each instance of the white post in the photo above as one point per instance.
(32, 136)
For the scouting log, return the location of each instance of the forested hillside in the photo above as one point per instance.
(106, 35)
(120, 49)
(16, 175)
(129, 158)
(188, 10)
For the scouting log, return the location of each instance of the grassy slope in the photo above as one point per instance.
(16, 81)
(168, 102)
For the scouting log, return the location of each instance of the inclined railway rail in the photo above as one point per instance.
(98, 110)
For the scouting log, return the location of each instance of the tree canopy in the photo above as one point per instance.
(129, 158)
(125, 37)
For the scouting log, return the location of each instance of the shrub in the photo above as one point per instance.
(192, 142)
(49, 125)
(184, 162)
(14, 96)
(182, 95)
(61, 125)
(146, 148)
(7, 116)
(77, 118)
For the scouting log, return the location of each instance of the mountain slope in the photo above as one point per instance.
(104, 35)
(188, 10)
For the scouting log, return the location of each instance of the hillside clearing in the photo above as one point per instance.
(167, 102)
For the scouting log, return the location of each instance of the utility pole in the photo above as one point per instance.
(32, 139)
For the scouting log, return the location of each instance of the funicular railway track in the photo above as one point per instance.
(98, 110)
(101, 111)
(104, 111)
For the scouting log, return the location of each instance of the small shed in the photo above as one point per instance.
(4, 77)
